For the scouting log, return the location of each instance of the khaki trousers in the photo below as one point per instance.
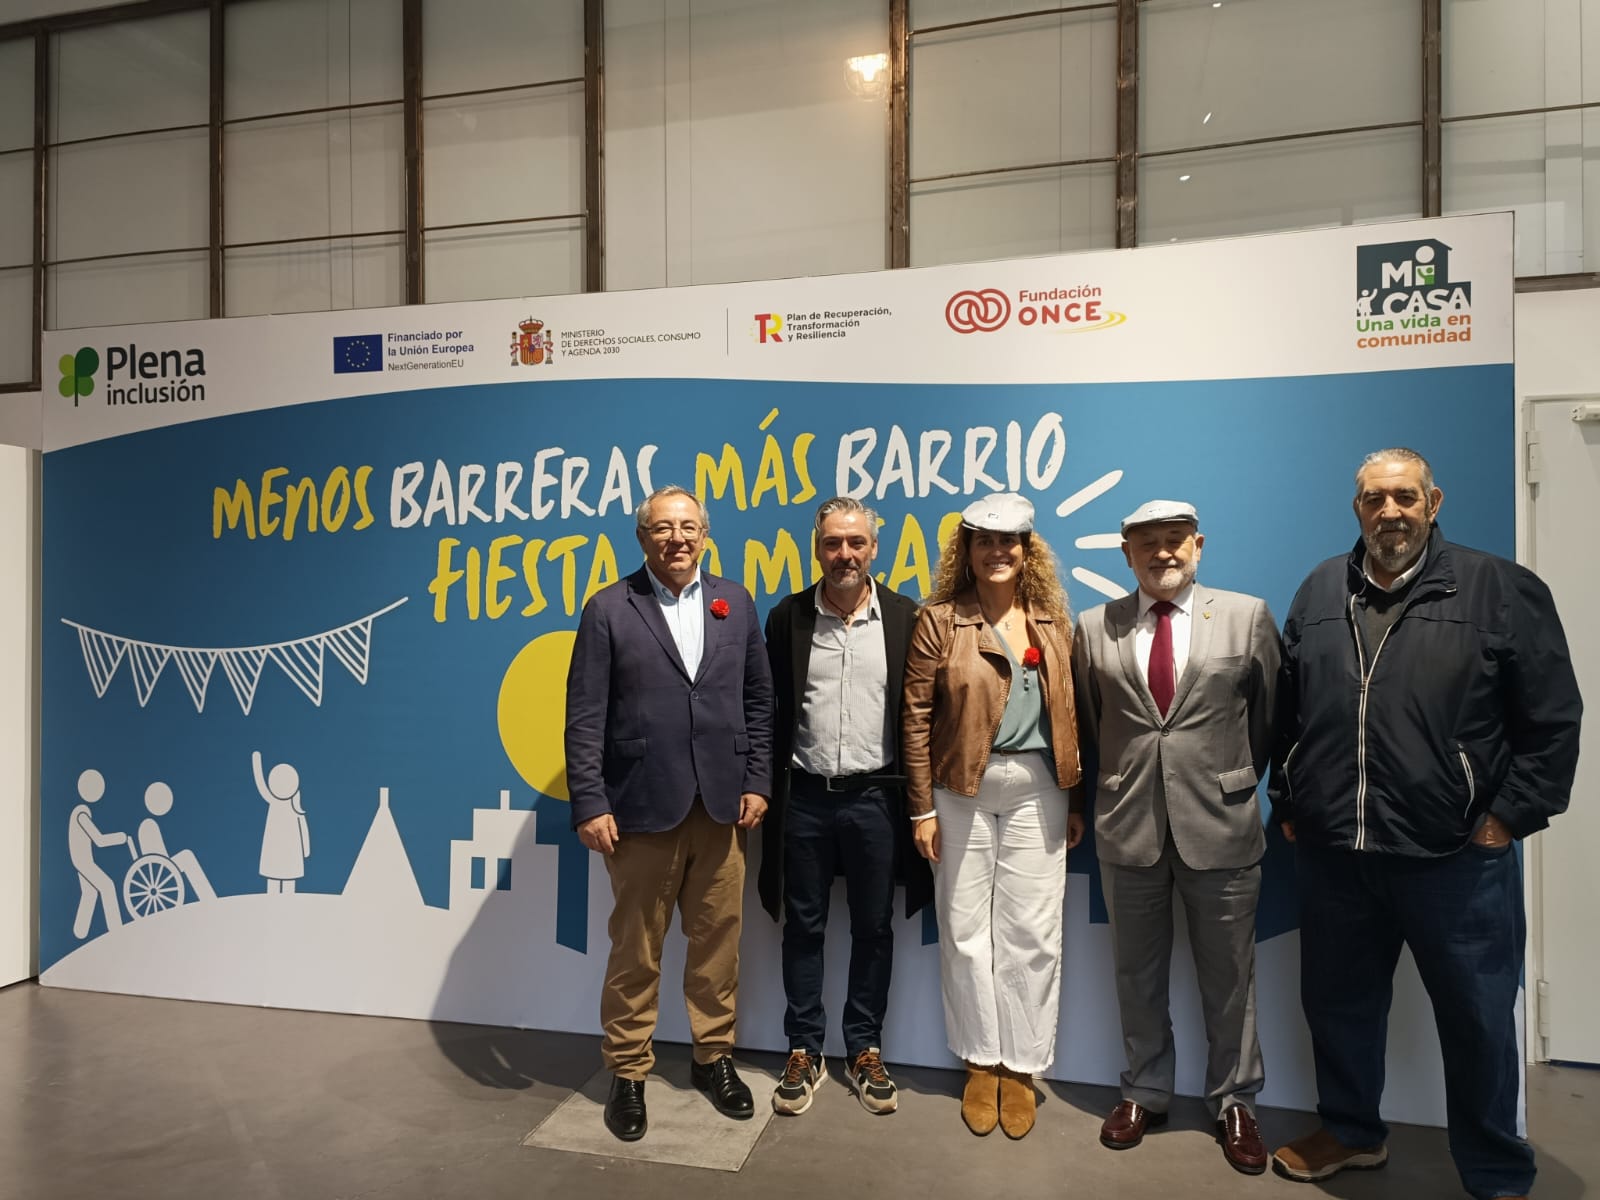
(699, 867)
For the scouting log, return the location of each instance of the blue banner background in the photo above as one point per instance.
(128, 549)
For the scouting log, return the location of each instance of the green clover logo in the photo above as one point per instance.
(77, 373)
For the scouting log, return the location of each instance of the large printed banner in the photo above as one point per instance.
(311, 583)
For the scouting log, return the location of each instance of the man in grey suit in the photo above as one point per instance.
(1176, 685)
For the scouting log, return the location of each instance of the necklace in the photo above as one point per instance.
(844, 615)
(1004, 623)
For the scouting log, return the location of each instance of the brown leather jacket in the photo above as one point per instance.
(957, 681)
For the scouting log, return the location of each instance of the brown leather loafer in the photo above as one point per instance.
(1241, 1140)
(1125, 1127)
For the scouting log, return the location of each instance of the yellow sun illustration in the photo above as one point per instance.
(532, 712)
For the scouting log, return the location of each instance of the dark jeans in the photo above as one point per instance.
(1462, 917)
(852, 833)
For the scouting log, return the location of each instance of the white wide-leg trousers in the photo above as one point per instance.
(1000, 886)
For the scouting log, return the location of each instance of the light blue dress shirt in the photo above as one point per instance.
(685, 615)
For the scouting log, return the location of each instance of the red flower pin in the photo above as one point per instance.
(720, 609)
(1031, 656)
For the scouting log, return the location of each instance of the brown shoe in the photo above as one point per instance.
(1241, 1140)
(1321, 1155)
(1017, 1104)
(1125, 1127)
(980, 1099)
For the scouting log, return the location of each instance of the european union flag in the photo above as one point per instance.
(361, 353)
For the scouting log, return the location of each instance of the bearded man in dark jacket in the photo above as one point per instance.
(1430, 720)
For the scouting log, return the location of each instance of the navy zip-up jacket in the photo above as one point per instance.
(1468, 706)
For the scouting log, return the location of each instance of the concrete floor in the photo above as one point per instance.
(117, 1096)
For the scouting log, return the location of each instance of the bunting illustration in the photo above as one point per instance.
(302, 660)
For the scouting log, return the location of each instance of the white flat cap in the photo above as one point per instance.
(1154, 511)
(1003, 512)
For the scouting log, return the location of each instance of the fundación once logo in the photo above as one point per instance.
(77, 373)
(1079, 308)
(362, 352)
(977, 311)
(1407, 295)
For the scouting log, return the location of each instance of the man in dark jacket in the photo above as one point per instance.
(669, 765)
(838, 654)
(1430, 720)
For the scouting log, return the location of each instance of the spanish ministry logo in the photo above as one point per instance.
(77, 373)
(532, 344)
(1407, 296)
(146, 376)
(363, 352)
(1078, 309)
(818, 324)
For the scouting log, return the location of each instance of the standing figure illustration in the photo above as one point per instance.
(286, 840)
(82, 837)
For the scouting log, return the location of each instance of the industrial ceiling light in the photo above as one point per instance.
(867, 75)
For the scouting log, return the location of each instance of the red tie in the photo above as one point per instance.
(1162, 676)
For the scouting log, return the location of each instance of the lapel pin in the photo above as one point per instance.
(1206, 616)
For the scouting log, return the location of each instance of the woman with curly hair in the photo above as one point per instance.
(991, 747)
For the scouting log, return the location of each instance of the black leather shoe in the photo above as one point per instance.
(625, 1115)
(729, 1095)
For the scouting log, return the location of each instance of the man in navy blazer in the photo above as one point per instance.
(669, 764)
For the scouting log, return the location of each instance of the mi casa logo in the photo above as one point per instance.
(1406, 295)
(1408, 279)
(135, 376)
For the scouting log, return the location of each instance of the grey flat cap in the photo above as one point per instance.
(1003, 512)
(1153, 511)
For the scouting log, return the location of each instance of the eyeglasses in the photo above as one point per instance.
(665, 532)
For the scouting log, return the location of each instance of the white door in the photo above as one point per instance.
(19, 731)
(1564, 508)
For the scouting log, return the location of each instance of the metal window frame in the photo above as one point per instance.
(1429, 124)
(410, 103)
(592, 213)
(901, 37)
(898, 216)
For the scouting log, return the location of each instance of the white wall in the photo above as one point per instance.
(19, 712)
(21, 420)
(1556, 354)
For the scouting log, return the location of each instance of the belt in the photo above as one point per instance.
(855, 783)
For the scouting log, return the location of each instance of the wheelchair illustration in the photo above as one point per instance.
(153, 884)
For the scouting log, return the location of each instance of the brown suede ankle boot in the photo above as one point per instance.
(1017, 1102)
(980, 1107)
